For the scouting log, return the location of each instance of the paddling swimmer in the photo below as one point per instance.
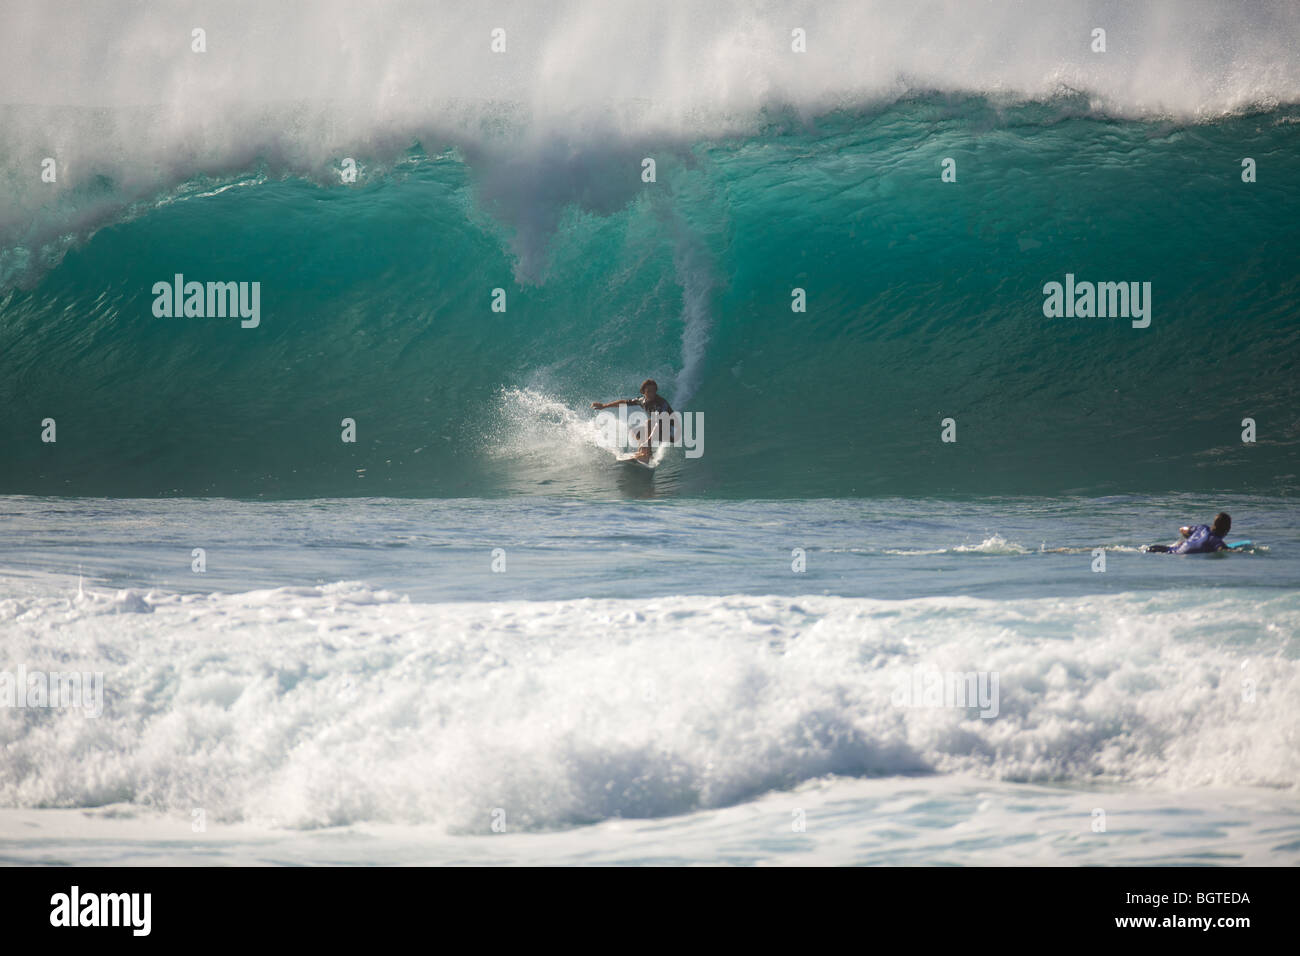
(655, 406)
(1199, 538)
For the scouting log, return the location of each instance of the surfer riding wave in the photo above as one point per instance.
(657, 412)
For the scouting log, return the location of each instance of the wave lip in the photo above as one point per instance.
(299, 86)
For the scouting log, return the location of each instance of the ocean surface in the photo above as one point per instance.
(650, 680)
(468, 636)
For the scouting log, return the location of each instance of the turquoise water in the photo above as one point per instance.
(924, 302)
(468, 635)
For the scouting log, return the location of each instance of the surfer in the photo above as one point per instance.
(656, 409)
(1199, 538)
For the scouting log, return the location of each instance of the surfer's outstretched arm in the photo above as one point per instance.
(615, 403)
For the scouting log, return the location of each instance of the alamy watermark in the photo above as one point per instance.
(679, 429)
(130, 910)
(964, 689)
(1102, 300)
(53, 689)
(198, 300)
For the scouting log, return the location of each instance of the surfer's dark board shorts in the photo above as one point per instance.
(659, 407)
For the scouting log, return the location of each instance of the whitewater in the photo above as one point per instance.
(647, 681)
(468, 637)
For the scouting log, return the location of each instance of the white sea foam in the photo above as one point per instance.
(534, 429)
(677, 65)
(581, 88)
(538, 434)
(317, 706)
(950, 820)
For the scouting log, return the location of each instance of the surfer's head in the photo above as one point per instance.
(649, 388)
(1222, 524)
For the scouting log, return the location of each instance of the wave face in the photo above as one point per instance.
(924, 298)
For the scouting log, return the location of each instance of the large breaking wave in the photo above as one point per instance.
(775, 171)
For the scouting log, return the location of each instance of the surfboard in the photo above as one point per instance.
(1232, 546)
(631, 459)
